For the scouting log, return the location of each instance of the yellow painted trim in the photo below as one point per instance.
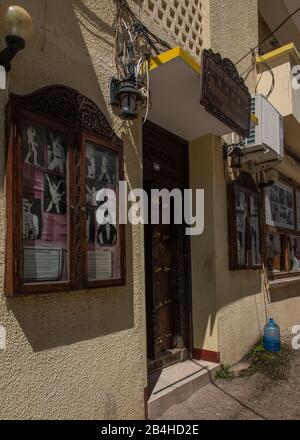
(170, 55)
(254, 119)
(284, 50)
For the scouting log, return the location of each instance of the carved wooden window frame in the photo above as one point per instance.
(246, 185)
(284, 234)
(68, 110)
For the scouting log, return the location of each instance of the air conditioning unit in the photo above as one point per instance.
(264, 148)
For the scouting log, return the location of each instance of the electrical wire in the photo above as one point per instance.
(269, 36)
(272, 75)
(44, 27)
(134, 46)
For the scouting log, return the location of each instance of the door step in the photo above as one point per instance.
(176, 384)
(167, 359)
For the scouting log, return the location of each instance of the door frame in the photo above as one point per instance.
(187, 318)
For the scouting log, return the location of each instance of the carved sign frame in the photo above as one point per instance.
(224, 93)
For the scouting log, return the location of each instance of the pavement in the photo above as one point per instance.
(245, 398)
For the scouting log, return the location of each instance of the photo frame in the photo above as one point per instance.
(33, 140)
(54, 194)
(32, 218)
(105, 237)
(56, 151)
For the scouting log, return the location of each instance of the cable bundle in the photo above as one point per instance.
(134, 46)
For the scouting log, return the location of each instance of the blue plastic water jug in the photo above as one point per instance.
(272, 336)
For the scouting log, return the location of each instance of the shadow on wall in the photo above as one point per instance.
(53, 320)
(284, 293)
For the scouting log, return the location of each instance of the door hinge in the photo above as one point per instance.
(16, 265)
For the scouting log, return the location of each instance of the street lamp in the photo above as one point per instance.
(16, 28)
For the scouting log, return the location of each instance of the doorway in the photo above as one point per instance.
(167, 253)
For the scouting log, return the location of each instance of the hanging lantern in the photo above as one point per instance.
(125, 96)
(128, 97)
(236, 156)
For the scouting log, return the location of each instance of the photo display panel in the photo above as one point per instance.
(102, 197)
(44, 203)
(279, 205)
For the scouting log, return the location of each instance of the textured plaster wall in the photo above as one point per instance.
(241, 298)
(82, 354)
(204, 276)
(234, 30)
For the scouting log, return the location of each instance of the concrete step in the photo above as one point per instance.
(176, 384)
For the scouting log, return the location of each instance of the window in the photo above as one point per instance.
(63, 170)
(282, 218)
(244, 224)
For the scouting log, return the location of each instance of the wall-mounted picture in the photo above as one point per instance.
(32, 218)
(290, 217)
(274, 194)
(92, 187)
(275, 212)
(289, 199)
(279, 203)
(107, 172)
(54, 194)
(282, 214)
(33, 144)
(282, 196)
(107, 232)
(101, 164)
(56, 152)
(90, 162)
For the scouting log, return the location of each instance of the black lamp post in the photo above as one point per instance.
(16, 28)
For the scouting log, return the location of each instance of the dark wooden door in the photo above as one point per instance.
(167, 256)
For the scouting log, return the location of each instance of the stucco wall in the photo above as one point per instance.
(240, 300)
(203, 255)
(82, 354)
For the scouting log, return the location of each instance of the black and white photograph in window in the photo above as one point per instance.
(32, 218)
(92, 188)
(241, 227)
(275, 212)
(33, 144)
(101, 164)
(274, 194)
(280, 210)
(107, 231)
(54, 194)
(56, 152)
(90, 162)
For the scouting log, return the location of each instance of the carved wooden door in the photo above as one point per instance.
(167, 252)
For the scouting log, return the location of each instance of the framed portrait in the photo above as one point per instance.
(55, 194)
(32, 218)
(33, 141)
(92, 188)
(102, 164)
(56, 151)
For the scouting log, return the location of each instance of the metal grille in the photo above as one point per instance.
(251, 140)
(181, 18)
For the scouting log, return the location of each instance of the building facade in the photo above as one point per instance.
(83, 349)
